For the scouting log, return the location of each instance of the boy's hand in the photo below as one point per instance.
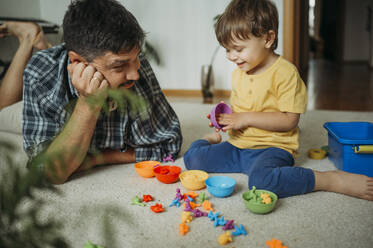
(235, 121)
(210, 124)
(86, 79)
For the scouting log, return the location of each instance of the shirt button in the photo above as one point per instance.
(251, 80)
(250, 91)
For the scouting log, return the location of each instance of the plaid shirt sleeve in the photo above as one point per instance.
(43, 110)
(159, 135)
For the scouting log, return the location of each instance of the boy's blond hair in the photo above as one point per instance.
(243, 18)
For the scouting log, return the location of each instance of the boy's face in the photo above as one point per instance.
(250, 53)
(120, 70)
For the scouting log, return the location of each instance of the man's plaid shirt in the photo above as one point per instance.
(48, 89)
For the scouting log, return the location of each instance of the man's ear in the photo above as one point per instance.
(74, 57)
(271, 36)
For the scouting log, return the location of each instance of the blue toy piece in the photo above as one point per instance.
(239, 230)
(189, 198)
(219, 222)
(175, 202)
(213, 216)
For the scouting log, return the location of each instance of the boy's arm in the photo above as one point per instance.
(270, 121)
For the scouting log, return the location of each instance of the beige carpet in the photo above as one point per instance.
(318, 219)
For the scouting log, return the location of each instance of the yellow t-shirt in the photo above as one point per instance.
(278, 89)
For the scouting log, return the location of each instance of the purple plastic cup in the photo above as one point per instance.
(221, 108)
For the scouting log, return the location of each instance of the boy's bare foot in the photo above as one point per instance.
(25, 32)
(351, 184)
(213, 138)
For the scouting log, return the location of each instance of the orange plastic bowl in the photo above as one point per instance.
(145, 168)
(167, 173)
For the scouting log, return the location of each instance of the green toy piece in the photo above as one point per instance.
(137, 201)
(202, 197)
(90, 245)
(252, 195)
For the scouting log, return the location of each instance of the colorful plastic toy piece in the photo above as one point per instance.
(192, 194)
(175, 202)
(199, 213)
(186, 217)
(275, 243)
(213, 216)
(183, 228)
(266, 198)
(187, 206)
(225, 238)
(202, 197)
(193, 205)
(228, 225)
(179, 196)
(157, 208)
(239, 230)
(147, 198)
(137, 201)
(168, 158)
(90, 245)
(207, 205)
(219, 222)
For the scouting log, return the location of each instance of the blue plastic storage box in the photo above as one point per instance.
(351, 146)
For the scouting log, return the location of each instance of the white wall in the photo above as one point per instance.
(181, 31)
(356, 43)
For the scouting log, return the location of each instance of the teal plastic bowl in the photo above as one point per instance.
(220, 186)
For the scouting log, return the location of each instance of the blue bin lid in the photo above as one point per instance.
(353, 133)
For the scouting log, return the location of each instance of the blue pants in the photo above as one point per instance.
(270, 169)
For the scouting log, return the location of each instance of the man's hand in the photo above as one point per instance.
(86, 79)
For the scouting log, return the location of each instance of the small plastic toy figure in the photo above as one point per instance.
(157, 208)
(207, 205)
(228, 225)
(275, 243)
(90, 245)
(239, 230)
(186, 217)
(213, 216)
(202, 197)
(225, 238)
(175, 202)
(168, 159)
(137, 201)
(147, 198)
(266, 198)
(183, 228)
(219, 222)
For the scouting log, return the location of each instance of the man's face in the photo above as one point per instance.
(121, 69)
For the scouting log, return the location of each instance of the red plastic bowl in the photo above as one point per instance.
(221, 108)
(167, 173)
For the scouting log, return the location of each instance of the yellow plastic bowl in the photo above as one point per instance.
(193, 179)
(145, 168)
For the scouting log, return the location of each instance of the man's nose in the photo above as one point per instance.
(133, 74)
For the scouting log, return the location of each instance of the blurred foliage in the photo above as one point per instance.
(20, 188)
(151, 53)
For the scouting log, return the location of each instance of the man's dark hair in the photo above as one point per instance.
(93, 27)
(243, 18)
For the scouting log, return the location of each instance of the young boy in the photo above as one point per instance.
(267, 99)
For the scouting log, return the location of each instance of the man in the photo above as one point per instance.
(101, 51)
